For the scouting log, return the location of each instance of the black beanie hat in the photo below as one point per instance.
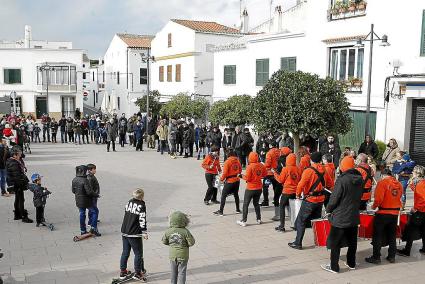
(316, 157)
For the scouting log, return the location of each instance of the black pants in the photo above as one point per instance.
(308, 211)
(39, 214)
(384, 226)
(416, 223)
(139, 145)
(37, 137)
(71, 136)
(46, 131)
(191, 149)
(284, 201)
(336, 236)
(229, 189)
(54, 137)
(122, 139)
(253, 195)
(131, 138)
(211, 193)
(86, 135)
(19, 203)
(108, 146)
(277, 189)
(242, 157)
(363, 205)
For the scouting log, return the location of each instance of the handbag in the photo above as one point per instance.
(294, 206)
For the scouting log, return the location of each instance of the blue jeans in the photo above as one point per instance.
(92, 213)
(3, 180)
(135, 244)
(404, 183)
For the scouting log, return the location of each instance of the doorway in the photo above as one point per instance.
(417, 132)
(40, 106)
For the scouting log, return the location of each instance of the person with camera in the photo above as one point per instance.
(17, 178)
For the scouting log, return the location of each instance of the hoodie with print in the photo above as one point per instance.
(255, 172)
(290, 175)
(178, 237)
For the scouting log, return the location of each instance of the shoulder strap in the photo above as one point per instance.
(320, 179)
(368, 175)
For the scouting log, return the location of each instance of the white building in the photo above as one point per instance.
(184, 61)
(124, 72)
(57, 90)
(314, 37)
(94, 85)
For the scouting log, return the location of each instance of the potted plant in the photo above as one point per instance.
(353, 6)
(361, 5)
(343, 8)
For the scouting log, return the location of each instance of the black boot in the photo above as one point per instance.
(25, 219)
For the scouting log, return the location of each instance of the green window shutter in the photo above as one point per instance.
(258, 69)
(293, 64)
(288, 64)
(229, 74)
(6, 76)
(262, 72)
(12, 76)
(423, 34)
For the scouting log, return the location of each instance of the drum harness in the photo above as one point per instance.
(320, 180)
(368, 177)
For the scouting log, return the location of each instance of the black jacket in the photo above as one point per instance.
(226, 142)
(4, 155)
(16, 174)
(369, 149)
(134, 222)
(83, 191)
(215, 138)
(335, 151)
(94, 184)
(186, 137)
(345, 200)
(40, 194)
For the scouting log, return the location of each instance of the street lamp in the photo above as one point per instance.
(13, 96)
(147, 58)
(371, 37)
(46, 67)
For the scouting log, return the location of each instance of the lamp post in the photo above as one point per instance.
(371, 37)
(147, 58)
(13, 96)
(46, 67)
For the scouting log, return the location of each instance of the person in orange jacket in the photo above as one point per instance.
(289, 177)
(271, 164)
(254, 174)
(313, 181)
(305, 160)
(211, 164)
(367, 174)
(327, 161)
(387, 199)
(416, 221)
(232, 168)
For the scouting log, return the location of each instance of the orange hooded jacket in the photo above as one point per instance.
(255, 172)
(231, 169)
(304, 162)
(272, 158)
(419, 196)
(290, 175)
(367, 190)
(211, 164)
(387, 196)
(308, 178)
(330, 169)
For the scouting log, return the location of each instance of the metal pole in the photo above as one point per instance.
(148, 84)
(47, 92)
(14, 101)
(372, 34)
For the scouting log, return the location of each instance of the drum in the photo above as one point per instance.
(321, 229)
(404, 216)
(366, 225)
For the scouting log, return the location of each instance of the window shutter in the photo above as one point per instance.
(292, 64)
(178, 72)
(169, 73)
(161, 73)
(423, 34)
(284, 64)
(259, 69)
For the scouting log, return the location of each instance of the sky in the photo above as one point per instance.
(91, 24)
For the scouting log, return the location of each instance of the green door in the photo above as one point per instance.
(40, 106)
(355, 136)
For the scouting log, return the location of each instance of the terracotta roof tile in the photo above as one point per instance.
(207, 27)
(136, 41)
(343, 39)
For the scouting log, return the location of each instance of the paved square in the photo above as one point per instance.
(223, 253)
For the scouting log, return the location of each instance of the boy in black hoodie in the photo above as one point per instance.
(39, 199)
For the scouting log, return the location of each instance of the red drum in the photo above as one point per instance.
(404, 216)
(321, 229)
(366, 225)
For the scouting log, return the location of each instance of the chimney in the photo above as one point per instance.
(244, 22)
(28, 36)
(278, 19)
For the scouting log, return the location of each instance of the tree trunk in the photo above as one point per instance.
(296, 138)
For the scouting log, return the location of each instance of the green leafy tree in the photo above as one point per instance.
(182, 105)
(236, 110)
(154, 103)
(301, 103)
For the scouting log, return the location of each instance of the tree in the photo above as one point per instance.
(236, 110)
(182, 105)
(154, 103)
(301, 103)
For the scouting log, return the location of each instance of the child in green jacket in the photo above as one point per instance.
(179, 239)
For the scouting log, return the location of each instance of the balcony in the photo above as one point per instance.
(341, 10)
(57, 88)
(353, 85)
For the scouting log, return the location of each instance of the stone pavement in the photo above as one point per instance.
(223, 253)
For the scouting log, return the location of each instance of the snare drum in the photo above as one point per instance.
(321, 229)
(404, 216)
(366, 225)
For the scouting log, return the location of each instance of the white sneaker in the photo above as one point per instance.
(241, 223)
(259, 222)
(327, 267)
(349, 267)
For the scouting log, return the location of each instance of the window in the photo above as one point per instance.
(95, 96)
(38, 46)
(169, 73)
(169, 40)
(103, 76)
(68, 106)
(18, 103)
(161, 73)
(118, 77)
(73, 75)
(12, 76)
(58, 75)
(119, 102)
(143, 76)
(288, 64)
(423, 34)
(84, 75)
(229, 74)
(178, 72)
(262, 72)
(346, 62)
(93, 76)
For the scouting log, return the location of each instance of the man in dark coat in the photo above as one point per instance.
(369, 147)
(332, 148)
(16, 177)
(84, 195)
(344, 216)
(237, 144)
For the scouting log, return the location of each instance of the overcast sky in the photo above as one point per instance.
(91, 24)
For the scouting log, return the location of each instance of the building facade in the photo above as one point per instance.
(319, 37)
